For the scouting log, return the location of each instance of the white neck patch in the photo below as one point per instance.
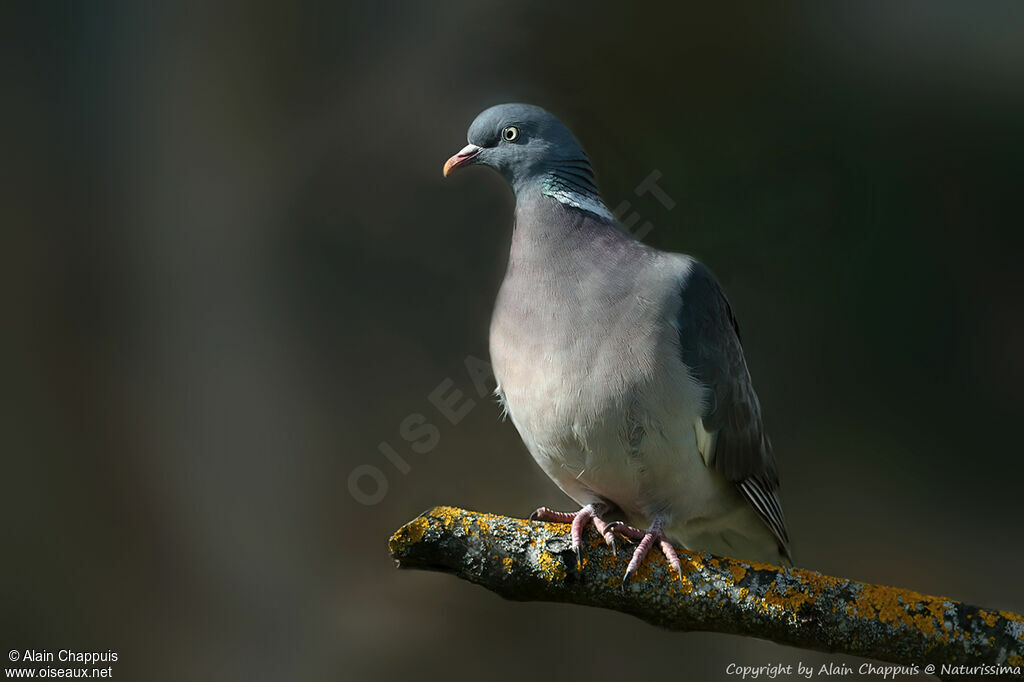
(581, 201)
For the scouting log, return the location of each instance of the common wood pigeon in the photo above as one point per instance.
(621, 365)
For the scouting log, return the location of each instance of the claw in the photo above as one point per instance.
(647, 540)
(607, 534)
(673, 559)
(626, 531)
(609, 540)
(579, 521)
(545, 514)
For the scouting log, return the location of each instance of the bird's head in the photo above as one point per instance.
(520, 141)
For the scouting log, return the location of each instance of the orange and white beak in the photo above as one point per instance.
(465, 157)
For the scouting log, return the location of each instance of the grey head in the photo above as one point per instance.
(530, 148)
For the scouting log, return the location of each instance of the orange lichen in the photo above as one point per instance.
(452, 517)
(738, 570)
(409, 534)
(686, 587)
(608, 561)
(903, 608)
(815, 582)
(449, 516)
(507, 563)
(1014, 618)
(551, 568)
(989, 617)
(808, 588)
(696, 564)
(783, 597)
(760, 566)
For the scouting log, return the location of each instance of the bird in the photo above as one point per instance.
(621, 365)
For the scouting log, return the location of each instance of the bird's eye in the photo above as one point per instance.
(510, 133)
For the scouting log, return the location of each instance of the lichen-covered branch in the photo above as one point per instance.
(532, 560)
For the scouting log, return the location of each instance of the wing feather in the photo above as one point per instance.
(709, 338)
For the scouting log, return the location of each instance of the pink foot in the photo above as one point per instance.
(579, 520)
(647, 539)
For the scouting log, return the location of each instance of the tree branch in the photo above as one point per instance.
(531, 560)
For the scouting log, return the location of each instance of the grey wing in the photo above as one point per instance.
(709, 338)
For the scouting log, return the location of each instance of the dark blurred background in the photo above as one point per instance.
(232, 269)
